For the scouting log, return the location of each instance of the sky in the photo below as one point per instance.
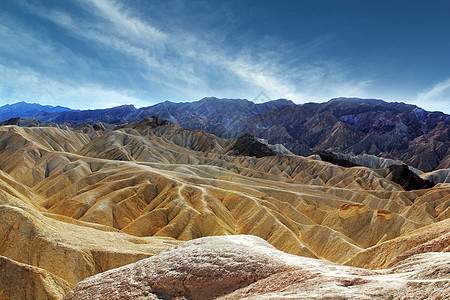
(88, 54)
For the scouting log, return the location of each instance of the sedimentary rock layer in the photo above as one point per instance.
(235, 267)
(77, 203)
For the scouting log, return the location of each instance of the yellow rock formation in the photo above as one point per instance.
(22, 281)
(75, 204)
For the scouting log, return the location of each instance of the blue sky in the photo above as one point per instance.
(103, 53)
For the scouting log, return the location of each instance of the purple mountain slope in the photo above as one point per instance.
(345, 125)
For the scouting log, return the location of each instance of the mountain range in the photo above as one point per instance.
(25, 110)
(353, 126)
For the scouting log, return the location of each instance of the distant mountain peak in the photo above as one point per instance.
(215, 99)
(357, 100)
(24, 109)
(125, 106)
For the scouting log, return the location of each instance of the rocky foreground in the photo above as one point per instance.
(243, 266)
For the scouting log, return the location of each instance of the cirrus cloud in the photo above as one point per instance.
(437, 97)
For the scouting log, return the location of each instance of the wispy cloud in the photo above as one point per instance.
(177, 64)
(128, 36)
(437, 97)
(18, 43)
(24, 84)
(125, 24)
(302, 82)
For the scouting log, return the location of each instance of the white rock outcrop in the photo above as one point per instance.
(235, 267)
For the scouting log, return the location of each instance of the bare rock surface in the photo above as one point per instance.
(248, 145)
(431, 238)
(402, 175)
(76, 203)
(34, 282)
(438, 176)
(202, 268)
(242, 266)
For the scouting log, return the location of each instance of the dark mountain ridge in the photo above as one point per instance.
(114, 115)
(26, 110)
(342, 125)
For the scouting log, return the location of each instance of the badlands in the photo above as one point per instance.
(151, 210)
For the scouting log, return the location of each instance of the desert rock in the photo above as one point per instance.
(233, 267)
